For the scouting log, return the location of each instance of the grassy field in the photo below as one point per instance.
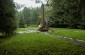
(73, 33)
(28, 28)
(38, 44)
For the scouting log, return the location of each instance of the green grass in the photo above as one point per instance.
(28, 28)
(38, 44)
(73, 33)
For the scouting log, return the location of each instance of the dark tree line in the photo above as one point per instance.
(68, 13)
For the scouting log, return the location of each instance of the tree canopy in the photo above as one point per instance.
(28, 16)
(68, 13)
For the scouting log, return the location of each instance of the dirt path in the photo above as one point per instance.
(28, 31)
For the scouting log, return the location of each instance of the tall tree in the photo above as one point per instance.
(26, 14)
(7, 17)
(82, 11)
(34, 16)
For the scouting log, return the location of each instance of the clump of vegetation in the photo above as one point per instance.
(7, 17)
(27, 17)
(68, 13)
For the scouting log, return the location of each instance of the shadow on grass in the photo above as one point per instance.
(4, 37)
(7, 36)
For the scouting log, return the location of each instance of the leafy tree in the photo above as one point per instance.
(82, 11)
(67, 13)
(21, 22)
(34, 16)
(7, 17)
(28, 16)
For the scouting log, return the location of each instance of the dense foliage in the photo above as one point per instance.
(68, 13)
(7, 17)
(27, 16)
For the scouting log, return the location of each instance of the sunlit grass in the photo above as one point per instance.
(38, 44)
(73, 33)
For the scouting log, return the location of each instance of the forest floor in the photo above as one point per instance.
(32, 42)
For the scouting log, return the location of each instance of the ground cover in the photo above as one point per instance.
(72, 33)
(38, 44)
